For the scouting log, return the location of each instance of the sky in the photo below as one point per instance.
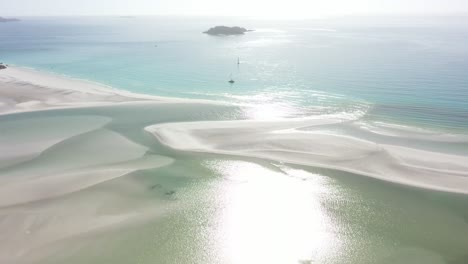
(261, 8)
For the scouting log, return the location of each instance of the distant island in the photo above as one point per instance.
(223, 30)
(2, 19)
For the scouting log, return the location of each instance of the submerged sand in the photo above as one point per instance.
(71, 174)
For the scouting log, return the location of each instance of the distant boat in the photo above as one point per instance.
(231, 81)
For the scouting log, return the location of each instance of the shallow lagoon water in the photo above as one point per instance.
(204, 208)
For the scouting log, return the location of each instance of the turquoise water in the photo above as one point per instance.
(398, 70)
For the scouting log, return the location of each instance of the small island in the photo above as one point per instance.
(225, 31)
(3, 19)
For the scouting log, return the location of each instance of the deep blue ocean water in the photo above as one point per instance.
(398, 70)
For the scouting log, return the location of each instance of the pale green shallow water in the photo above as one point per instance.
(221, 209)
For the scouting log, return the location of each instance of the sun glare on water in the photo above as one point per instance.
(272, 216)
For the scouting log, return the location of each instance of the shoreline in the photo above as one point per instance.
(20, 92)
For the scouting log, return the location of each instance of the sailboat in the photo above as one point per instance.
(231, 81)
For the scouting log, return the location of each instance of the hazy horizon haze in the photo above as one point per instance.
(258, 8)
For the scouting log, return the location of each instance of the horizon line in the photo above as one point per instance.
(455, 14)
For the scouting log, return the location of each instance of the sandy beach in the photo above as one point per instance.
(101, 161)
(25, 89)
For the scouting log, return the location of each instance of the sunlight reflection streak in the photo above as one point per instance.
(272, 216)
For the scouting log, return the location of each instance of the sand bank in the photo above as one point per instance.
(286, 141)
(24, 89)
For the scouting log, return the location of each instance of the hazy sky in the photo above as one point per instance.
(262, 8)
